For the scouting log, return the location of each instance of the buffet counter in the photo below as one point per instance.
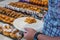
(15, 15)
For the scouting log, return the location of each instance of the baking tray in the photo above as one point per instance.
(9, 36)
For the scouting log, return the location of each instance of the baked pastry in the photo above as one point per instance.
(7, 29)
(13, 33)
(30, 20)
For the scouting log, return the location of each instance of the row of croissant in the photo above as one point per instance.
(8, 16)
(37, 2)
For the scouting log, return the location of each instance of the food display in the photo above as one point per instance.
(10, 13)
(37, 2)
(27, 14)
(30, 20)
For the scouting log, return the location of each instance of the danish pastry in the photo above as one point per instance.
(30, 20)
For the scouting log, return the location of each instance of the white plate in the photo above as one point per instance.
(20, 24)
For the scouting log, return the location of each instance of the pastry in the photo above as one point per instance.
(30, 20)
(7, 29)
(13, 33)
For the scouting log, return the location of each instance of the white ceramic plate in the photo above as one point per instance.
(21, 24)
